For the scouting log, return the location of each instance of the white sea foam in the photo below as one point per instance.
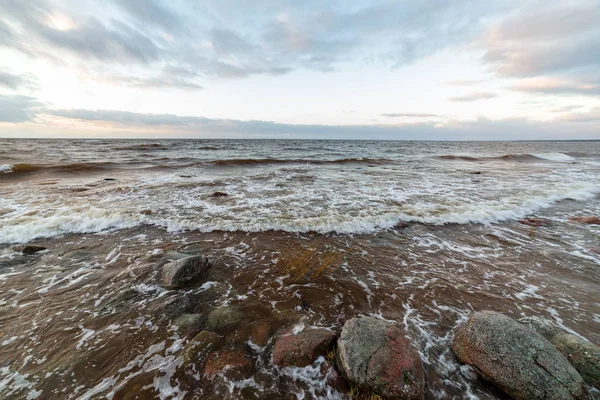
(6, 168)
(555, 157)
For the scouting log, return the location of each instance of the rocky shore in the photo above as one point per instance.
(529, 359)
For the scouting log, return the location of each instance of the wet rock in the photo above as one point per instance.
(189, 323)
(303, 348)
(333, 377)
(146, 212)
(218, 195)
(234, 363)
(224, 318)
(517, 359)
(260, 335)
(109, 179)
(536, 222)
(542, 326)
(375, 355)
(28, 249)
(475, 173)
(592, 220)
(182, 272)
(199, 347)
(594, 249)
(582, 354)
(174, 307)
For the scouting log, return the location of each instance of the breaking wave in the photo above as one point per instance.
(558, 157)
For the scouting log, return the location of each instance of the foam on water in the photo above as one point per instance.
(556, 157)
(6, 168)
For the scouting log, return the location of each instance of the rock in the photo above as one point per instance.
(224, 318)
(174, 307)
(592, 220)
(197, 349)
(28, 249)
(303, 348)
(517, 359)
(583, 355)
(534, 222)
(594, 249)
(146, 212)
(185, 271)
(218, 195)
(475, 173)
(189, 323)
(260, 335)
(234, 363)
(109, 179)
(542, 326)
(375, 355)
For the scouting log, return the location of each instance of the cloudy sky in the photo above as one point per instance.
(422, 69)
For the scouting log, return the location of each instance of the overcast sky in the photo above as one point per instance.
(426, 69)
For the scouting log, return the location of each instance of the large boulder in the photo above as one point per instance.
(582, 354)
(185, 271)
(376, 355)
(303, 348)
(28, 249)
(517, 359)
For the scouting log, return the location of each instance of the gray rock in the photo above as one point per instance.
(582, 354)
(185, 271)
(517, 359)
(189, 323)
(174, 307)
(542, 326)
(224, 318)
(376, 355)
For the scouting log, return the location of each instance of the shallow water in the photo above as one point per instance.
(86, 318)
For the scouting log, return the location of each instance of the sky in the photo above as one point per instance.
(403, 70)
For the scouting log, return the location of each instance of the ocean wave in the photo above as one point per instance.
(263, 161)
(144, 146)
(263, 216)
(25, 168)
(558, 157)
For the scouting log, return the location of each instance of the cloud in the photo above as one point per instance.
(152, 12)
(558, 86)
(12, 81)
(474, 96)
(169, 125)
(16, 109)
(409, 115)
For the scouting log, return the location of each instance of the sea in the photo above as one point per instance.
(419, 233)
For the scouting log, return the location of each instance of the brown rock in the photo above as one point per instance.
(260, 335)
(534, 222)
(28, 249)
(302, 349)
(218, 195)
(592, 220)
(594, 249)
(375, 355)
(234, 363)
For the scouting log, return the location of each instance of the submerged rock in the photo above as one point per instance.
(199, 347)
(582, 354)
(536, 222)
(29, 249)
(375, 354)
(517, 359)
(185, 271)
(303, 348)
(189, 323)
(218, 195)
(224, 318)
(592, 220)
(233, 363)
